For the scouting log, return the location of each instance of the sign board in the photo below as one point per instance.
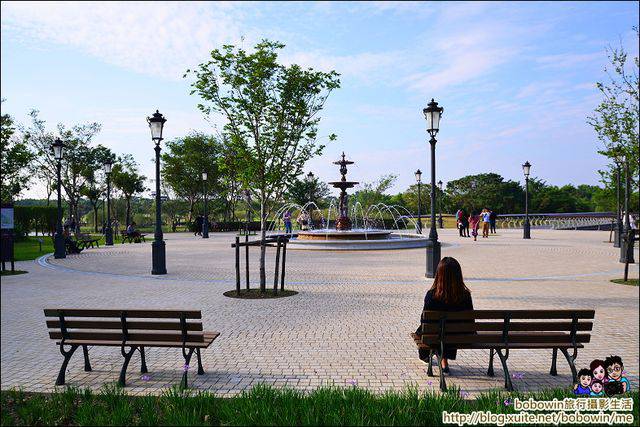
(6, 222)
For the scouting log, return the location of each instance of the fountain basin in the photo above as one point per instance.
(355, 241)
(344, 235)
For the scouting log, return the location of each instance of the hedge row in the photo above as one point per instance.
(41, 219)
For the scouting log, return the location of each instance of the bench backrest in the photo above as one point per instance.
(507, 327)
(125, 325)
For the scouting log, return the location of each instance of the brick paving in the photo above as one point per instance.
(348, 325)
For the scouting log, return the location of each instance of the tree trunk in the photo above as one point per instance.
(95, 217)
(263, 248)
(128, 217)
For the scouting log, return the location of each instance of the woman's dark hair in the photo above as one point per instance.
(448, 285)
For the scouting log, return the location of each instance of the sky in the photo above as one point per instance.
(516, 80)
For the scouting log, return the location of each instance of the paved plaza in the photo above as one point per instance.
(349, 324)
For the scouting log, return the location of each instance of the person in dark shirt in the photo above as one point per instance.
(492, 221)
(448, 293)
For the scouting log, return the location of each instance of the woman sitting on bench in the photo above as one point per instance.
(132, 232)
(70, 244)
(448, 293)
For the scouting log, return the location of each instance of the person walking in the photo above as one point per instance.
(198, 226)
(474, 223)
(287, 222)
(492, 221)
(465, 224)
(485, 223)
(459, 216)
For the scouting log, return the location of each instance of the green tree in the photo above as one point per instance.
(15, 161)
(302, 191)
(93, 191)
(183, 162)
(125, 177)
(486, 190)
(371, 193)
(616, 119)
(272, 113)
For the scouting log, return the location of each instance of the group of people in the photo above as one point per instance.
(303, 220)
(199, 222)
(602, 378)
(487, 218)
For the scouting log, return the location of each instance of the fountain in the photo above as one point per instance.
(344, 236)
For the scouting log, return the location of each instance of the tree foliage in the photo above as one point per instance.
(302, 191)
(128, 180)
(272, 116)
(15, 161)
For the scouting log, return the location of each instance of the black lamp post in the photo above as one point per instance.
(59, 250)
(205, 223)
(158, 255)
(419, 181)
(440, 205)
(617, 236)
(309, 178)
(433, 113)
(526, 168)
(108, 232)
(626, 248)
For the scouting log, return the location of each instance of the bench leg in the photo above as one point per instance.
(507, 378)
(571, 360)
(143, 366)
(200, 370)
(187, 359)
(123, 371)
(430, 362)
(87, 364)
(490, 370)
(443, 384)
(67, 356)
(554, 357)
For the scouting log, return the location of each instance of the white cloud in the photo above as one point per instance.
(161, 39)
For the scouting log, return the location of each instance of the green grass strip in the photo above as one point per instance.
(262, 405)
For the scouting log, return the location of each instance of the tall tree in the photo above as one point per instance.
(125, 177)
(93, 191)
(15, 161)
(616, 119)
(486, 190)
(272, 116)
(183, 162)
(301, 191)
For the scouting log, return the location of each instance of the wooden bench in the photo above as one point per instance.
(85, 241)
(130, 330)
(502, 330)
(127, 238)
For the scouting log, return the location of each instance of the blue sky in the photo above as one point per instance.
(516, 80)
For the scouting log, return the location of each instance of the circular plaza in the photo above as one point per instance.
(348, 325)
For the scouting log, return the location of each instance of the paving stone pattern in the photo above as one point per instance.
(349, 325)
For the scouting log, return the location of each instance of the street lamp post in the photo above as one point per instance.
(205, 223)
(526, 168)
(59, 250)
(108, 232)
(440, 205)
(433, 113)
(626, 248)
(158, 254)
(617, 236)
(419, 181)
(309, 178)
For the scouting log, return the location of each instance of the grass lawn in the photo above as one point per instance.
(261, 405)
(630, 282)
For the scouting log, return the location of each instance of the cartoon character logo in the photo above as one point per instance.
(598, 371)
(597, 389)
(618, 383)
(584, 382)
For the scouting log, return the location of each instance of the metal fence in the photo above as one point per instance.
(561, 221)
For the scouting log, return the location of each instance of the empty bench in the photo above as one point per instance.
(131, 330)
(502, 330)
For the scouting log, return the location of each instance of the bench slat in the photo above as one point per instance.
(134, 336)
(111, 343)
(434, 328)
(134, 325)
(130, 313)
(512, 338)
(514, 314)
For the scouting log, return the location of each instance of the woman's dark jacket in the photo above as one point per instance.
(432, 304)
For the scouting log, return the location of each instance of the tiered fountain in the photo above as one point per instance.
(344, 236)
